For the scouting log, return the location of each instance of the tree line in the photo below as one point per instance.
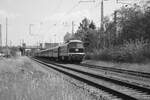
(130, 24)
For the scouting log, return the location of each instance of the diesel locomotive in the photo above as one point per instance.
(70, 51)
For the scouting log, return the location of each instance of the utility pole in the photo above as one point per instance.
(30, 25)
(6, 31)
(6, 37)
(102, 15)
(115, 21)
(72, 27)
(0, 35)
(102, 24)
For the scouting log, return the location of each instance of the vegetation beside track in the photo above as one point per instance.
(23, 79)
(133, 52)
(125, 38)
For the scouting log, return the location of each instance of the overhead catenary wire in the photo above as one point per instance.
(73, 8)
(76, 5)
(68, 12)
(58, 6)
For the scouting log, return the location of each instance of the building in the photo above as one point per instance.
(50, 45)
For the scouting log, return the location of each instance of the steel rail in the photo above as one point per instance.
(130, 72)
(114, 92)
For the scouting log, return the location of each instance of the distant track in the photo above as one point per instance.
(120, 89)
(112, 69)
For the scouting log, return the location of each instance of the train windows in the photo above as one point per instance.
(75, 45)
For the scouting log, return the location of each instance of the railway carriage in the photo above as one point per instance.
(55, 53)
(70, 51)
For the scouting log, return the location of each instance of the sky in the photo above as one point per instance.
(49, 20)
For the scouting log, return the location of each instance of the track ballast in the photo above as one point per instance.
(120, 89)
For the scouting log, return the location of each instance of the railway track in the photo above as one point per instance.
(120, 89)
(112, 69)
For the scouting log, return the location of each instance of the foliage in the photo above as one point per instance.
(67, 37)
(92, 25)
(13, 51)
(134, 23)
(23, 79)
(125, 38)
(129, 52)
(84, 25)
(87, 33)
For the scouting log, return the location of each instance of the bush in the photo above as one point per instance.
(88, 55)
(146, 51)
(135, 49)
(131, 51)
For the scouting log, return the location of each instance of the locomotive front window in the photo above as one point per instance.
(75, 45)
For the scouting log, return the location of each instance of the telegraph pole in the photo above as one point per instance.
(102, 24)
(102, 14)
(115, 21)
(0, 35)
(6, 36)
(30, 25)
(6, 31)
(72, 27)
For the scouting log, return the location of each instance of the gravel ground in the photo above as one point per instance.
(23, 79)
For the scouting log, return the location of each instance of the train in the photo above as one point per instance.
(72, 51)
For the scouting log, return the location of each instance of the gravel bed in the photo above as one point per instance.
(118, 76)
(96, 93)
(141, 67)
(23, 79)
(129, 78)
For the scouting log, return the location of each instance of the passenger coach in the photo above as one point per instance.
(70, 51)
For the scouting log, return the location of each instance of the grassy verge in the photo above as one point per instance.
(137, 51)
(21, 79)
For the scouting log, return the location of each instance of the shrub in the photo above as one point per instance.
(88, 55)
(131, 51)
(146, 51)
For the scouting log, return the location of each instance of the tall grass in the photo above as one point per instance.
(130, 51)
(22, 79)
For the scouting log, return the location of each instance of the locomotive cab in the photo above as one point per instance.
(76, 50)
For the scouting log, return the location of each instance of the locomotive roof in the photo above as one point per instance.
(70, 41)
(48, 49)
(75, 41)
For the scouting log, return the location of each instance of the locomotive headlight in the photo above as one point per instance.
(76, 49)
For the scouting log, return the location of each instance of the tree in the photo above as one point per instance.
(92, 25)
(82, 29)
(67, 37)
(131, 21)
(84, 25)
